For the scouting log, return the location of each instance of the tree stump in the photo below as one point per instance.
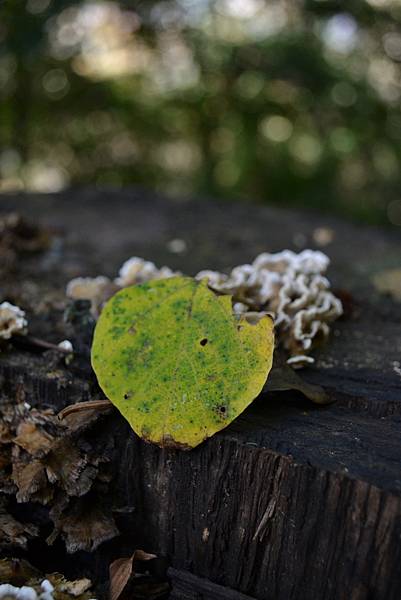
(291, 501)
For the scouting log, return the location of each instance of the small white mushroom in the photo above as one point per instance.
(66, 345)
(12, 320)
(8, 591)
(26, 593)
(137, 270)
(86, 288)
(96, 289)
(47, 590)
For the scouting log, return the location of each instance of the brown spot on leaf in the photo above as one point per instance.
(169, 442)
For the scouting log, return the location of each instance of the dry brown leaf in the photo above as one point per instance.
(17, 571)
(35, 441)
(283, 378)
(83, 526)
(69, 467)
(31, 479)
(6, 437)
(121, 571)
(43, 460)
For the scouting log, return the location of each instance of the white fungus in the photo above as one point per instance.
(99, 289)
(66, 345)
(47, 590)
(137, 270)
(12, 320)
(300, 361)
(8, 591)
(293, 287)
(95, 289)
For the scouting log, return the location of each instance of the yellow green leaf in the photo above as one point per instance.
(176, 362)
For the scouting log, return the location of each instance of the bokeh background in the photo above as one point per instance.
(292, 102)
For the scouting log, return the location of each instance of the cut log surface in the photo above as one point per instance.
(291, 501)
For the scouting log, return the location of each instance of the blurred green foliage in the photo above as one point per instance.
(290, 102)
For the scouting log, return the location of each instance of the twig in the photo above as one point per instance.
(81, 406)
(39, 343)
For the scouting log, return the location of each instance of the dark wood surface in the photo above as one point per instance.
(186, 586)
(292, 501)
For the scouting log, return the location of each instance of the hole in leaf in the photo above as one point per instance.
(203, 342)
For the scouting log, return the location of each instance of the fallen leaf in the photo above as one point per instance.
(31, 482)
(121, 571)
(65, 465)
(84, 525)
(17, 571)
(6, 436)
(284, 378)
(34, 440)
(176, 362)
(69, 466)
